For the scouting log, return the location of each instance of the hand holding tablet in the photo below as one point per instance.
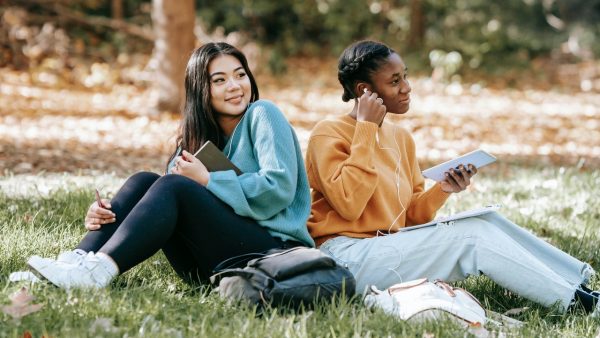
(478, 158)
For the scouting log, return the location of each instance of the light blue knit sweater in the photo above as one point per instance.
(273, 188)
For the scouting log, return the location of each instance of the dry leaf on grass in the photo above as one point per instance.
(21, 304)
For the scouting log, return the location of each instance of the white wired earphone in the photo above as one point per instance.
(403, 208)
(397, 174)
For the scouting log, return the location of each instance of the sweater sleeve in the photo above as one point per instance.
(347, 180)
(424, 204)
(262, 194)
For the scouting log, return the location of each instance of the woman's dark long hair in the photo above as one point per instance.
(357, 62)
(199, 123)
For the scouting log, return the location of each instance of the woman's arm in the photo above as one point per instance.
(262, 194)
(344, 173)
(424, 204)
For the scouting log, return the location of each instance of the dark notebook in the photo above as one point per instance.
(214, 159)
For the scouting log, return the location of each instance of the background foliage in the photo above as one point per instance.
(487, 35)
(484, 32)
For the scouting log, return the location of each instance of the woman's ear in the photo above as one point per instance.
(360, 88)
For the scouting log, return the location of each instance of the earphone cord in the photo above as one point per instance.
(397, 174)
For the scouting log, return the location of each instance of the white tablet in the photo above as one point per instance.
(478, 158)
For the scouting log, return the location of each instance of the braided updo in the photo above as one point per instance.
(358, 62)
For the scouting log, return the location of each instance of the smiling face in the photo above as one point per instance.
(230, 88)
(390, 82)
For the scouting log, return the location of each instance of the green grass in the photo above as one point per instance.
(44, 215)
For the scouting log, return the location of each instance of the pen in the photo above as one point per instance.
(99, 201)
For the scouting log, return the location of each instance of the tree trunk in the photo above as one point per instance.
(417, 24)
(174, 30)
(117, 9)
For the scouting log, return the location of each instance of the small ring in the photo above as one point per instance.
(380, 100)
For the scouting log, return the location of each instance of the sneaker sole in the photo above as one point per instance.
(39, 274)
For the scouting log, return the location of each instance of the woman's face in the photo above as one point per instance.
(230, 88)
(391, 84)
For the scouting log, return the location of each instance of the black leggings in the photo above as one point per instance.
(195, 230)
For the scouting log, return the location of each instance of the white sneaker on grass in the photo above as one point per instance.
(72, 256)
(91, 271)
(66, 257)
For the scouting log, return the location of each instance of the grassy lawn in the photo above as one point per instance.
(44, 215)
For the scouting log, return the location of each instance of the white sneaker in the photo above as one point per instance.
(72, 256)
(88, 272)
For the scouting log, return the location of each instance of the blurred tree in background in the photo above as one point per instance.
(485, 33)
(173, 23)
(452, 36)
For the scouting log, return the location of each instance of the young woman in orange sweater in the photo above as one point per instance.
(367, 185)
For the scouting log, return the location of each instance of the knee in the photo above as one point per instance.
(482, 228)
(173, 182)
(143, 178)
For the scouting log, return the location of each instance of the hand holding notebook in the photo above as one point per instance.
(211, 157)
(214, 159)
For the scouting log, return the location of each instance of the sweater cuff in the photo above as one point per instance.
(363, 141)
(438, 196)
(364, 133)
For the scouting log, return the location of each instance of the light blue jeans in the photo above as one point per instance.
(489, 244)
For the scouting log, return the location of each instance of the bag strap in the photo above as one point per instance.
(255, 277)
(237, 261)
(450, 289)
(216, 278)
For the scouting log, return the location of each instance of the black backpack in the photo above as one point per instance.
(293, 277)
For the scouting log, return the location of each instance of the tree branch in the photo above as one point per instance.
(59, 7)
(119, 25)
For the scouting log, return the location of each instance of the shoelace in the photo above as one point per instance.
(73, 257)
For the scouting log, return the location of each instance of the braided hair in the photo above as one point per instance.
(358, 62)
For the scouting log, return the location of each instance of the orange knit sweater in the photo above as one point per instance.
(354, 180)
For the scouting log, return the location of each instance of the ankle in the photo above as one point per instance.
(585, 300)
(108, 263)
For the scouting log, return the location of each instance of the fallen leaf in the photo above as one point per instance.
(20, 304)
(21, 297)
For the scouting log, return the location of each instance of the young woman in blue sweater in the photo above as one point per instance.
(200, 218)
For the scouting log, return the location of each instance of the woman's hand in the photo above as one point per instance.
(370, 108)
(191, 167)
(97, 216)
(458, 181)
